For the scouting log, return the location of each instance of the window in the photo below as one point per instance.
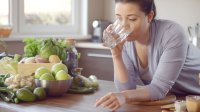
(4, 12)
(56, 12)
(45, 18)
(49, 16)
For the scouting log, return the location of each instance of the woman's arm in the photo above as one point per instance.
(174, 51)
(125, 76)
(121, 75)
(125, 79)
(120, 70)
(137, 95)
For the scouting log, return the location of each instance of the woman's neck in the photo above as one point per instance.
(144, 39)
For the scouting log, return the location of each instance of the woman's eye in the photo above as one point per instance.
(132, 19)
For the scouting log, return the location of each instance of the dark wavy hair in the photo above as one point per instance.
(146, 5)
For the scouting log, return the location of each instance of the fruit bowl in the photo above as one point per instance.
(54, 87)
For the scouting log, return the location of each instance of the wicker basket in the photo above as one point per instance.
(29, 68)
(5, 31)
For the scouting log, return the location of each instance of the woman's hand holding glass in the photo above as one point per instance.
(115, 36)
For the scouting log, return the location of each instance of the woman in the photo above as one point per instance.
(156, 55)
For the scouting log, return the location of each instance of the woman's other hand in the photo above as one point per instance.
(111, 101)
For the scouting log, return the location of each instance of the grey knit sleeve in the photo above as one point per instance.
(132, 75)
(174, 50)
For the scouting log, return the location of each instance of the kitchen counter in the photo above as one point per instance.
(11, 45)
(74, 103)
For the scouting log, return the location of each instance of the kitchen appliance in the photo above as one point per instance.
(194, 32)
(98, 27)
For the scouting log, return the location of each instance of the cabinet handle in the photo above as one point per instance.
(99, 55)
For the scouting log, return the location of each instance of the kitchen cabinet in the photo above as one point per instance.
(14, 47)
(97, 62)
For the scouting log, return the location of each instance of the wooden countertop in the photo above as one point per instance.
(74, 103)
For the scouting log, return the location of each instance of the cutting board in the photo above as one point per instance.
(167, 100)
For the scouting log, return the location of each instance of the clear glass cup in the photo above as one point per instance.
(117, 34)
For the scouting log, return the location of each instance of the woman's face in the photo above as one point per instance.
(130, 13)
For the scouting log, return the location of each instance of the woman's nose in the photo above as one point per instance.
(124, 23)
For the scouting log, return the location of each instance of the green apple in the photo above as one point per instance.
(40, 93)
(57, 67)
(62, 75)
(40, 71)
(47, 76)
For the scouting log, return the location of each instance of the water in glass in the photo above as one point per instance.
(120, 31)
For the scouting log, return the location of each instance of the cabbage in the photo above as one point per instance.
(48, 49)
(32, 47)
(45, 48)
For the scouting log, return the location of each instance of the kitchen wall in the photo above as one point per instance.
(95, 11)
(109, 10)
(185, 12)
(100, 10)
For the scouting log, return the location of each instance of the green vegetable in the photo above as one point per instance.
(9, 92)
(62, 54)
(62, 43)
(40, 93)
(48, 48)
(25, 95)
(82, 81)
(45, 47)
(87, 82)
(29, 88)
(17, 57)
(79, 55)
(94, 80)
(8, 95)
(2, 79)
(83, 85)
(30, 50)
(16, 100)
(5, 98)
(81, 90)
(32, 47)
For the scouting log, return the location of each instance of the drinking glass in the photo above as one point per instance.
(117, 34)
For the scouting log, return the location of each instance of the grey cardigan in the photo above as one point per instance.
(174, 63)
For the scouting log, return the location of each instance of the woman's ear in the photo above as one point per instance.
(150, 16)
